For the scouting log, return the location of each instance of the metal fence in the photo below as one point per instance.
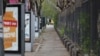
(78, 27)
(61, 22)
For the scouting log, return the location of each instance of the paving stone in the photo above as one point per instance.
(52, 45)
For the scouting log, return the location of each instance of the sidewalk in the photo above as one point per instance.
(51, 45)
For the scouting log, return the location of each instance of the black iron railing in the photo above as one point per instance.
(80, 23)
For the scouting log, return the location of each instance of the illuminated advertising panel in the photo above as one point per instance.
(11, 21)
(36, 24)
(27, 27)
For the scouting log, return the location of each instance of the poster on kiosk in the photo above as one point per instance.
(27, 20)
(11, 26)
(27, 27)
(13, 33)
(28, 39)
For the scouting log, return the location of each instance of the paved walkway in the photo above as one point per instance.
(52, 45)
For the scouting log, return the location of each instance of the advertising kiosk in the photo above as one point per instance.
(13, 20)
(43, 22)
(28, 28)
(36, 27)
(37, 24)
(1, 29)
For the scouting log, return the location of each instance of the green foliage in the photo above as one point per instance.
(48, 10)
(84, 20)
(97, 47)
(62, 31)
(85, 31)
(54, 1)
(68, 30)
(55, 20)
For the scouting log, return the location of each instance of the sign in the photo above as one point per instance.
(27, 27)
(36, 24)
(10, 21)
(12, 29)
(13, 1)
